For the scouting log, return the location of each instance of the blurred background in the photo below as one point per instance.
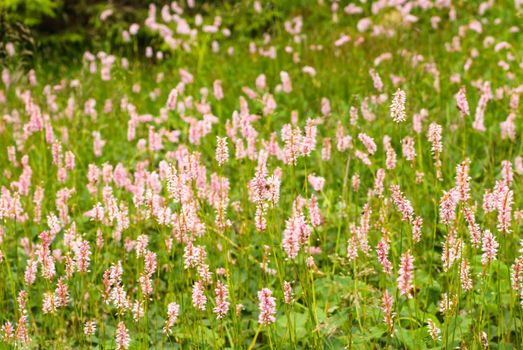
(66, 26)
(62, 30)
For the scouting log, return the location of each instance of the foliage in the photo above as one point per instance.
(127, 154)
(29, 12)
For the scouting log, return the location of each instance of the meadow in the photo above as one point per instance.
(302, 174)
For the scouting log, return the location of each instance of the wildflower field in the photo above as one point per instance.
(302, 174)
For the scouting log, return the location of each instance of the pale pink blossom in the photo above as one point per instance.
(489, 247)
(267, 307)
(406, 275)
(222, 304)
(122, 337)
(397, 107)
(461, 101)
